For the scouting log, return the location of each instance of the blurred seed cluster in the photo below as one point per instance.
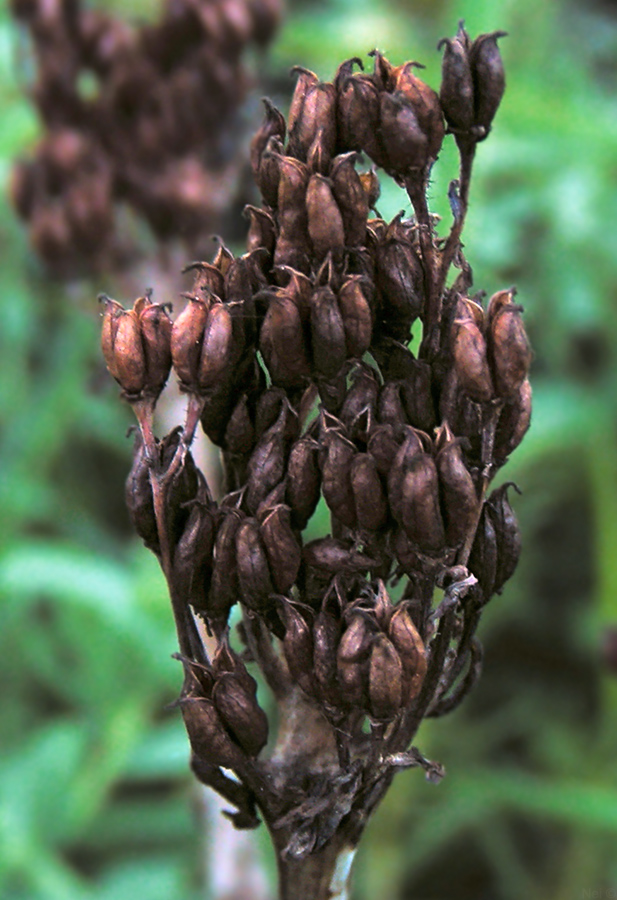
(295, 359)
(135, 115)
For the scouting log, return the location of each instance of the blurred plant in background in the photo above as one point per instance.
(94, 795)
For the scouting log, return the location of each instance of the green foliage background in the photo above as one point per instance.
(95, 798)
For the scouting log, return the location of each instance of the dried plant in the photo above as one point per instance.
(294, 358)
(135, 115)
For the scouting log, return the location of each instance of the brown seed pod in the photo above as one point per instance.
(508, 345)
(297, 645)
(303, 481)
(336, 480)
(186, 340)
(273, 125)
(383, 447)
(410, 647)
(208, 281)
(404, 141)
(390, 409)
(328, 333)
(306, 80)
(457, 92)
(192, 559)
(122, 346)
(262, 229)
(369, 495)
(333, 556)
(283, 549)
(216, 347)
(507, 534)
(400, 281)
(252, 564)
(416, 395)
(419, 506)
(240, 713)
(358, 112)
(352, 660)
(326, 636)
(207, 735)
(269, 174)
(155, 328)
(358, 409)
(513, 423)
(357, 316)
(315, 118)
(408, 451)
(351, 197)
(483, 556)
(425, 104)
(325, 222)
(138, 498)
(282, 343)
(265, 469)
(489, 79)
(385, 680)
(470, 361)
(458, 494)
(224, 587)
(240, 432)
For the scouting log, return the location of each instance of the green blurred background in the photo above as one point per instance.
(96, 802)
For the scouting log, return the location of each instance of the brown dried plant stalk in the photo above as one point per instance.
(294, 357)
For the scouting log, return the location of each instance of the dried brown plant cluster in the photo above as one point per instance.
(295, 359)
(139, 115)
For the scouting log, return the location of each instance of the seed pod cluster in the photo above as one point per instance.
(161, 94)
(354, 466)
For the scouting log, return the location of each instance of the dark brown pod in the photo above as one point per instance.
(316, 116)
(358, 111)
(507, 534)
(262, 229)
(400, 281)
(297, 645)
(352, 661)
(328, 333)
(208, 280)
(408, 451)
(216, 348)
(282, 548)
(122, 346)
(325, 222)
(186, 340)
(357, 317)
(326, 635)
(269, 174)
(483, 556)
(240, 432)
(293, 182)
(404, 141)
(303, 481)
(458, 493)
(419, 507)
(358, 409)
(336, 480)
(470, 361)
(265, 469)
(333, 556)
(273, 125)
(155, 327)
(426, 106)
(383, 447)
(207, 735)
(306, 80)
(369, 495)
(390, 409)
(489, 79)
(416, 395)
(224, 587)
(457, 92)
(282, 343)
(138, 498)
(410, 647)
(240, 713)
(252, 565)
(513, 423)
(351, 197)
(508, 345)
(192, 559)
(182, 488)
(385, 680)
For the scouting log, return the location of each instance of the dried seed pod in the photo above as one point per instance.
(192, 559)
(385, 680)
(369, 495)
(326, 636)
(303, 481)
(328, 333)
(252, 565)
(416, 395)
(508, 345)
(419, 506)
(182, 488)
(306, 80)
(470, 361)
(262, 229)
(297, 645)
(425, 104)
(316, 116)
(333, 556)
(273, 125)
(208, 281)
(216, 346)
(458, 493)
(410, 647)
(155, 328)
(186, 340)
(207, 735)
(325, 222)
(352, 660)
(122, 347)
(390, 409)
(240, 432)
(265, 469)
(383, 447)
(360, 401)
(408, 451)
(358, 111)
(400, 280)
(457, 91)
(403, 139)
(483, 556)
(282, 548)
(513, 423)
(351, 197)
(357, 317)
(240, 713)
(138, 498)
(269, 174)
(489, 79)
(507, 534)
(336, 480)
(224, 587)
(282, 343)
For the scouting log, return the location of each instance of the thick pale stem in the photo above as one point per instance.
(325, 875)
